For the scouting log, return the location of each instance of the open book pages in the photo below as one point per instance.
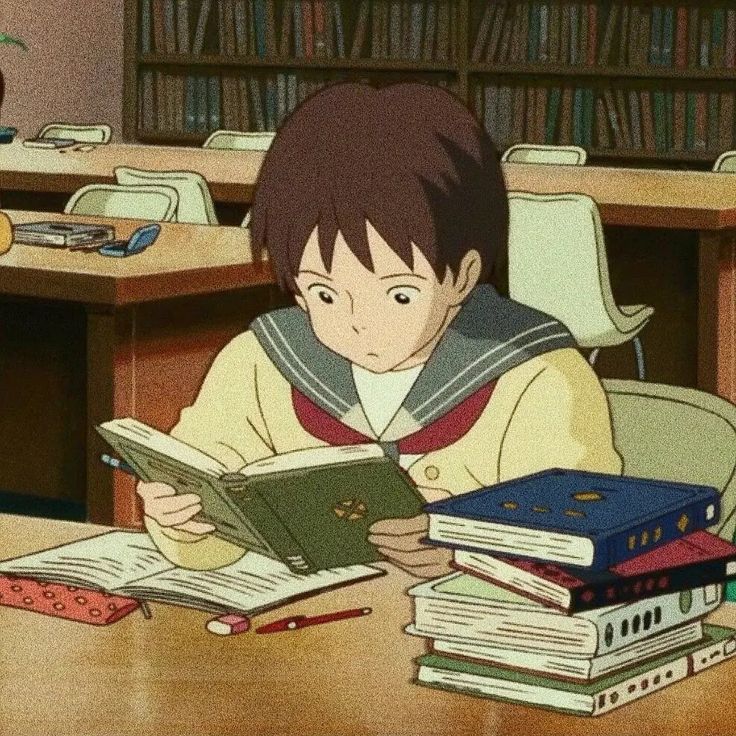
(129, 437)
(128, 563)
(132, 438)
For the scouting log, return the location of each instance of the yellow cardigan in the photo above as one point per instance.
(550, 411)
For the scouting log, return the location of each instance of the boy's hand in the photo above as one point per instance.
(164, 506)
(398, 541)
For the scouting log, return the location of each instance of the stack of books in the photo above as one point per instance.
(575, 591)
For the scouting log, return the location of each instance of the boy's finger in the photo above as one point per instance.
(396, 527)
(416, 558)
(179, 517)
(195, 527)
(404, 543)
(149, 491)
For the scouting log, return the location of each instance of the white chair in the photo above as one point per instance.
(237, 140)
(195, 201)
(157, 203)
(540, 153)
(679, 434)
(726, 163)
(81, 133)
(557, 264)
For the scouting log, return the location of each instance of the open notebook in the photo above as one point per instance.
(128, 563)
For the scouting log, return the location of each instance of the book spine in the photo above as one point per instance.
(260, 516)
(668, 27)
(339, 28)
(146, 27)
(655, 48)
(726, 120)
(681, 38)
(270, 27)
(632, 50)
(199, 33)
(729, 60)
(624, 36)
(622, 546)
(713, 137)
(605, 49)
(241, 28)
(718, 48)
(182, 26)
(361, 26)
(554, 32)
(604, 140)
(555, 95)
(483, 31)
(693, 34)
(574, 34)
(260, 27)
(650, 585)
(704, 49)
(214, 102)
(430, 28)
(498, 26)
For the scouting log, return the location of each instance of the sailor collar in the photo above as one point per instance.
(488, 336)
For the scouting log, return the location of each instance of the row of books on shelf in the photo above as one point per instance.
(575, 591)
(618, 33)
(399, 29)
(201, 103)
(656, 121)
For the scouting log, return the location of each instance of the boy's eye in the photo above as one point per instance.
(403, 294)
(325, 293)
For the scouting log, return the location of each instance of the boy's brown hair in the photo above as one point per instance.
(409, 157)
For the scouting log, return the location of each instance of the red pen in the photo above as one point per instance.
(299, 622)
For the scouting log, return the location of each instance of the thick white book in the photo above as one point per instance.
(128, 563)
(574, 669)
(466, 607)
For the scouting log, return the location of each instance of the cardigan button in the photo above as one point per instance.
(432, 472)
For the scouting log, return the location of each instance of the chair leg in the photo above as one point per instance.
(639, 351)
(593, 355)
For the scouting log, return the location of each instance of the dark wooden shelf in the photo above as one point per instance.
(461, 74)
(624, 72)
(297, 63)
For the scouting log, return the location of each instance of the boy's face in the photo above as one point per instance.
(383, 319)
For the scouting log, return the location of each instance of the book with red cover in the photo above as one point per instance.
(65, 601)
(700, 558)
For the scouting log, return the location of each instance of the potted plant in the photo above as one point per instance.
(6, 134)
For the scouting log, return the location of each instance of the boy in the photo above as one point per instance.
(381, 211)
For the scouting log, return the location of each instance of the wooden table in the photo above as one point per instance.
(168, 675)
(86, 338)
(704, 202)
(231, 174)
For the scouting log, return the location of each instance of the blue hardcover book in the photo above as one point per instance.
(655, 48)
(668, 32)
(574, 517)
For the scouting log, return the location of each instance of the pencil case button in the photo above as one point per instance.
(432, 472)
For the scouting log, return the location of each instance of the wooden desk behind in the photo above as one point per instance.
(167, 675)
(231, 174)
(86, 338)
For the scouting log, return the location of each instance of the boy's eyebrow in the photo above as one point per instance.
(396, 275)
(315, 273)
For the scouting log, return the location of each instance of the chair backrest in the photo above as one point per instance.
(557, 261)
(539, 153)
(157, 203)
(82, 133)
(726, 163)
(680, 434)
(195, 200)
(237, 140)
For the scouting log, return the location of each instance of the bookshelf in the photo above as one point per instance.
(632, 81)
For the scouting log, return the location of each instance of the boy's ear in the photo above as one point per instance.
(468, 273)
(301, 301)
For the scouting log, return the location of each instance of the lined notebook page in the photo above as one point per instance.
(252, 584)
(103, 562)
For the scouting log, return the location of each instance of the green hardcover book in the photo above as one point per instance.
(533, 42)
(690, 122)
(553, 111)
(591, 699)
(660, 128)
(588, 103)
(310, 509)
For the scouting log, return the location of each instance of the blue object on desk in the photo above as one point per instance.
(7, 133)
(140, 240)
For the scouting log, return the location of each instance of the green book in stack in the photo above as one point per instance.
(310, 509)
(592, 699)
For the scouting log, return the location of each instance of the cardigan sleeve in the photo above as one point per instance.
(561, 419)
(227, 423)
